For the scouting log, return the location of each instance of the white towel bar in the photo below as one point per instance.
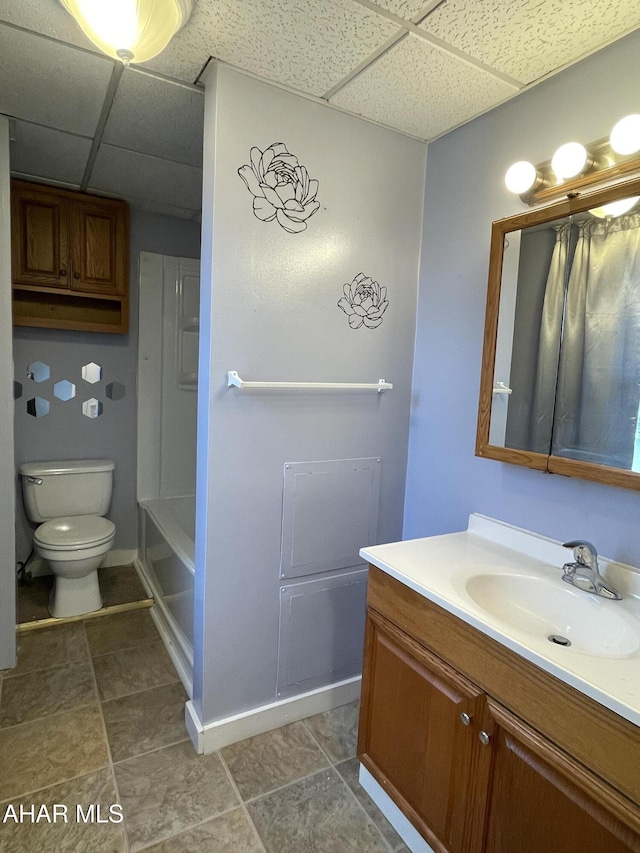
(234, 380)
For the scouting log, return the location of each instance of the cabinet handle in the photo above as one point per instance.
(484, 738)
(466, 719)
(63, 272)
(76, 275)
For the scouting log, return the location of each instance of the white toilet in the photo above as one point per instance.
(71, 498)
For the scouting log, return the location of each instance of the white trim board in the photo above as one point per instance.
(212, 736)
(407, 832)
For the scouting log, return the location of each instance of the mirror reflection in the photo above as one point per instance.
(566, 375)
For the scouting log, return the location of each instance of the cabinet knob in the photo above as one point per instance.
(63, 272)
(76, 274)
(484, 738)
(466, 719)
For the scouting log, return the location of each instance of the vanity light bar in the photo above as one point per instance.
(573, 165)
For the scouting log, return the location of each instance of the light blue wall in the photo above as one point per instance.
(464, 194)
(269, 309)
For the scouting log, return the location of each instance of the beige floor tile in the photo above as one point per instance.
(50, 750)
(50, 691)
(336, 731)
(120, 631)
(145, 721)
(74, 835)
(171, 790)
(120, 585)
(231, 833)
(132, 670)
(316, 815)
(273, 759)
(48, 647)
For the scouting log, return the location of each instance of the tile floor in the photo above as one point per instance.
(94, 714)
(118, 585)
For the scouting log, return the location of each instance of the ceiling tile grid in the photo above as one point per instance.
(409, 10)
(158, 118)
(422, 90)
(129, 174)
(51, 84)
(309, 46)
(526, 39)
(41, 152)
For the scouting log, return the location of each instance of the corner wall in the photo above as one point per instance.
(464, 193)
(7, 546)
(269, 310)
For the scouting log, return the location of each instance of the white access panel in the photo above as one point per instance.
(329, 511)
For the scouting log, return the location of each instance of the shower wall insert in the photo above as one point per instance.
(167, 415)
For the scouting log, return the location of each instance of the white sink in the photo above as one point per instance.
(549, 608)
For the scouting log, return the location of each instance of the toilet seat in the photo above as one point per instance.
(74, 532)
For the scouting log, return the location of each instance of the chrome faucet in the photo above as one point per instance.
(584, 572)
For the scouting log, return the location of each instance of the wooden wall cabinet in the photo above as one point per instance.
(469, 773)
(70, 259)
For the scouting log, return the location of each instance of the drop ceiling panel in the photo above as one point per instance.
(158, 118)
(407, 9)
(307, 45)
(128, 174)
(41, 152)
(526, 40)
(51, 84)
(46, 17)
(421, 89)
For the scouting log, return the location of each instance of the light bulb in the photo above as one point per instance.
(615, 208)
(521, 177)
(570, 160)
(625, 136)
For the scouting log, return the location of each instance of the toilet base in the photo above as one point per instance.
(75, 596)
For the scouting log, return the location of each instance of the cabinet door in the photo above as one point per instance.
(414, 741)
(99, 247)
(40, 236)
(542, 801)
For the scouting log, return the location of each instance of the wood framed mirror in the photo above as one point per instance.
(560, 381)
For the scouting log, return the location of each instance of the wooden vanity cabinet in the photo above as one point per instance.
(469, 773)
(70, 259)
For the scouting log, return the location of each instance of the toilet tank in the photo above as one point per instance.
(56, 489)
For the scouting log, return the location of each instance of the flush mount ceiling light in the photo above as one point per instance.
(625, 136)
(130, 30)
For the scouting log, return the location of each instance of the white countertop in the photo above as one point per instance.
(438, 567)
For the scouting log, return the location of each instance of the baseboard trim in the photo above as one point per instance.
(406, 830)
(212, 736)
(121, 557)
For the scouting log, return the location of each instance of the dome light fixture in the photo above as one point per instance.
(130, 30)
(521, 177)
(571, 160)
(625, 136)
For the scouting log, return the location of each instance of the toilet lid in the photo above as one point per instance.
(85, 531)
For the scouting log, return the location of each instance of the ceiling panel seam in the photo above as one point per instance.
(362, 66)
(114, 82)
(412, 27)
(45, 126)
(150, 156)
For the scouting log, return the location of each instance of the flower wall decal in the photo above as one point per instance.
(364, 302)
(281, 187)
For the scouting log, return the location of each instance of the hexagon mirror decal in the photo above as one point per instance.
(38, 407)
(92, 408)
(115, 391)
(38, 371)
(64, 390)
(92, 372)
